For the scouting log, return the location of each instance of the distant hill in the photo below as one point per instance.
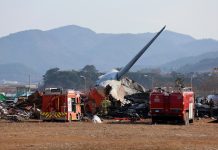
(182, 64)
(73, 47)
(205, 65)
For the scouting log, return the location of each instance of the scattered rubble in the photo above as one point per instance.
(207, 107)
(23, 108)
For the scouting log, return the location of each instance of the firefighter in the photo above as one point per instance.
(105, 105)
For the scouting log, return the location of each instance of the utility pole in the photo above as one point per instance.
(192, 76)
(29, 82)
(84, 81)
(147, 76)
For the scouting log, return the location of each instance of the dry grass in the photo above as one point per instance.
(109, 135)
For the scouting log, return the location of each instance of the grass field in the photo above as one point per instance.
(203, 134)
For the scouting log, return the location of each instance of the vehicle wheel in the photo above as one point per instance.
(192, 120)
(186, 119)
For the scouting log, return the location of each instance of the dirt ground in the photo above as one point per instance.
(203, 134)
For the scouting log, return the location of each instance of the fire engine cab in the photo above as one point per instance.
(59, 104)
(171, 106)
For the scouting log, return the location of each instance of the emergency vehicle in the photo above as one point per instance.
(172, 106)
(59, 104)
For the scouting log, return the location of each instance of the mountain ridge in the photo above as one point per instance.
(73, 47)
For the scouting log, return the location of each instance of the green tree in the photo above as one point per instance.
(90, 68)
(50, 75)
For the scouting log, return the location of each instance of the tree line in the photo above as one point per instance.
(202, 83)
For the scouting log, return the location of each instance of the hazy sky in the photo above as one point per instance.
(198, 18)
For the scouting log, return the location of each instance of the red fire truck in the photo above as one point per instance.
(171, 106)
(58, 104)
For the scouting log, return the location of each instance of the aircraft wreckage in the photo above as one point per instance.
(114, 87)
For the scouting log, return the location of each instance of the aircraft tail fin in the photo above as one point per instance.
(132, 62)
